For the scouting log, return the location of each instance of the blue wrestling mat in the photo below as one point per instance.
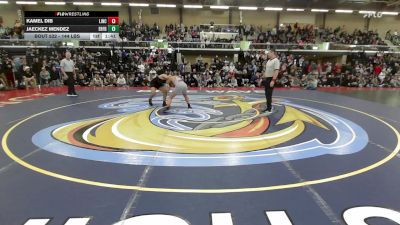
(108, 158)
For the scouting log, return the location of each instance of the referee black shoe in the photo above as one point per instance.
(268, 112)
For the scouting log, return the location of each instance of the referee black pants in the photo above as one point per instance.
(70, 83)
(268, 92)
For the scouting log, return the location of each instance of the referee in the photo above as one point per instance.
(68, 70)
(271, 71)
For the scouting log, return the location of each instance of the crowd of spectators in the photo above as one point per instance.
(15, 32)
(393, 37)
(139, 32)
(287, 34)
(360, 71)
(137, 68)
(291, 33)
(381, 70)
(298, 71)
(106, 68)
(357, 37)
(180, 33)
(282, 34)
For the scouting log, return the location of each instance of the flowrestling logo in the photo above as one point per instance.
(226, 130)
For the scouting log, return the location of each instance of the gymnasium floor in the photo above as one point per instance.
(106, 156)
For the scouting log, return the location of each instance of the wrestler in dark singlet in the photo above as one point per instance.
(160, 83)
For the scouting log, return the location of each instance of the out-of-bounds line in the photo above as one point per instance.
(133, 200)
(391, 120)
(13, 121)
(383, 147)
(322, 204)
(8, 166)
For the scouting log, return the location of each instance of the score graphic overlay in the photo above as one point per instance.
(71, 25)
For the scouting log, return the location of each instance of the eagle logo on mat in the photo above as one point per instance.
(224, 130)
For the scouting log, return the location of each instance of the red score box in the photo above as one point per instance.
(113, 20)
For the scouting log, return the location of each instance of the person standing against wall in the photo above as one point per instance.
(271, 71)
(68, 71)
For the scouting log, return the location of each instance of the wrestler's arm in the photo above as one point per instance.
(163, 77)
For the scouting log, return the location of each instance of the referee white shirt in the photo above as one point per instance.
(68, 65)
(271, 66)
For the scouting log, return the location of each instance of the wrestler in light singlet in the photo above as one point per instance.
(180, 89)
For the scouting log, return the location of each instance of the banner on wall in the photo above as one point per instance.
(245, 45)
(323, 46)
(159, 44)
